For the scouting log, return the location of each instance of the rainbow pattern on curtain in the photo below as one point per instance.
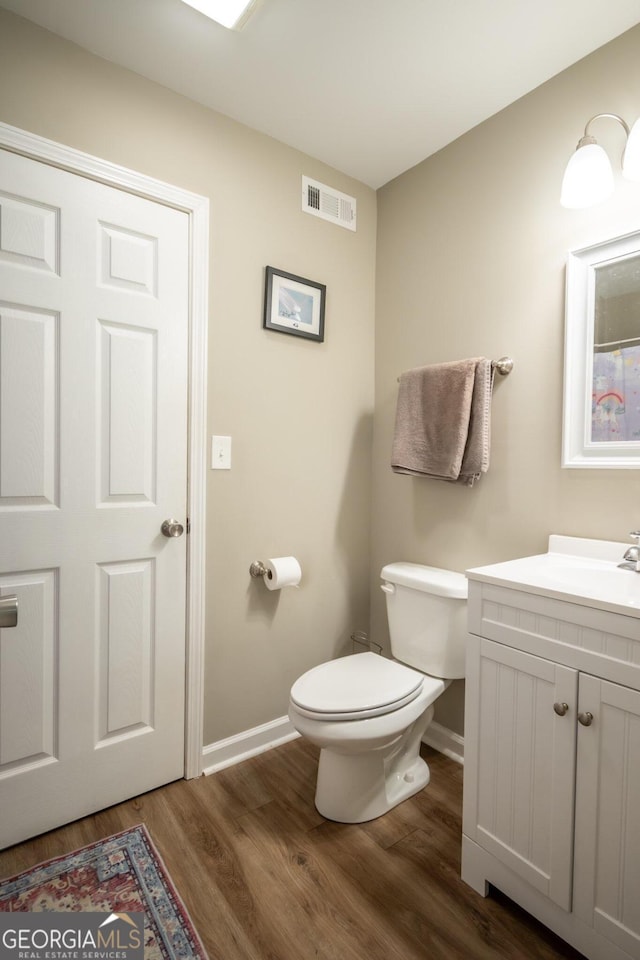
(615, 403)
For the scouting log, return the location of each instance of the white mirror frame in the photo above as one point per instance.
(578, 450)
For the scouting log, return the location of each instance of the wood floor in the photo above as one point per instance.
(265, 877)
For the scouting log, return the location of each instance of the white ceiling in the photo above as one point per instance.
(369, 86)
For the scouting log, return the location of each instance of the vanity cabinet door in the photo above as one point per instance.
(520, 763)
(607, 855)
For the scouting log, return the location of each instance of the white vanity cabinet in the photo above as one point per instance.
(552, 759)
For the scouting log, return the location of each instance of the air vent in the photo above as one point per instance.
(329, 204)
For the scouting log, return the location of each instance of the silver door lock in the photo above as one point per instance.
(171, 528)
(9, 611)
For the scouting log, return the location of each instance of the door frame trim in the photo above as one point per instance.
(197, 209)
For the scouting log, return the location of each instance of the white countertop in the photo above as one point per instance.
(576, 570)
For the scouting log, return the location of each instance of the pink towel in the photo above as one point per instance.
(443, 419)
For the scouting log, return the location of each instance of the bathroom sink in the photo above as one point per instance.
(574, 569)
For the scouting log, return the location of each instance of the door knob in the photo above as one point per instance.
(561, 708)
(171, 528)
(586, 719)
(9, 611)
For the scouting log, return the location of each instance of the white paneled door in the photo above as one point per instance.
(93, 436)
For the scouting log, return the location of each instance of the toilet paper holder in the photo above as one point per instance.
(258, 569)
(277, 572)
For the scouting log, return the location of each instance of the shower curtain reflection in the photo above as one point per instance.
(615, 398)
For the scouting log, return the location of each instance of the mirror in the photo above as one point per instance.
(601, 424)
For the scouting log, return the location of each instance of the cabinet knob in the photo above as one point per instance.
(586, 719)
(561, 708)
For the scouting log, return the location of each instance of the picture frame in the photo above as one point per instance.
(294, 305)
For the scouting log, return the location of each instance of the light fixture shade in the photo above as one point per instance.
(631, 159)
(588, 178)
(230, 13)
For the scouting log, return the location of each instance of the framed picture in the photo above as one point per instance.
(293, 305)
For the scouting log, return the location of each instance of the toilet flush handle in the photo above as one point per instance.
(388, 587)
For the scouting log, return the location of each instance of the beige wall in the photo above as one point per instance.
(471, 253)
(299, 412)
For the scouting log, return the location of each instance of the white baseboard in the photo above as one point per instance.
(225, 753)
(445, 741)
(249, 743)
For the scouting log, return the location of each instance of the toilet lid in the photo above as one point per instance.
(355, 687)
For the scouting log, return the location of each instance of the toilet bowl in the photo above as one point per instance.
(369, 758)
(368, 714)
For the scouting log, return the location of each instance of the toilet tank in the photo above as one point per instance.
(427, 613)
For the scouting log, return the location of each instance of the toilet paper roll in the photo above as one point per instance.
(282, 572)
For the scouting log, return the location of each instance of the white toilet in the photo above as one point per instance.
(367, 713)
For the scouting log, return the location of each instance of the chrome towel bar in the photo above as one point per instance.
(504, 366)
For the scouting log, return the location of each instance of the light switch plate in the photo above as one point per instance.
(221, 453)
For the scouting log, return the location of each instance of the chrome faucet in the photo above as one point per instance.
(631, 558)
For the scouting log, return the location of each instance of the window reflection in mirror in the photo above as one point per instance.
(615, 414)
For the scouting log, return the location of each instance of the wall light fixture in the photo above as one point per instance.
(588, 178)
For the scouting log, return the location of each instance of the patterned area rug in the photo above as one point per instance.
(122, 874)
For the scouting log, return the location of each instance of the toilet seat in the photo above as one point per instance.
(356, 687)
